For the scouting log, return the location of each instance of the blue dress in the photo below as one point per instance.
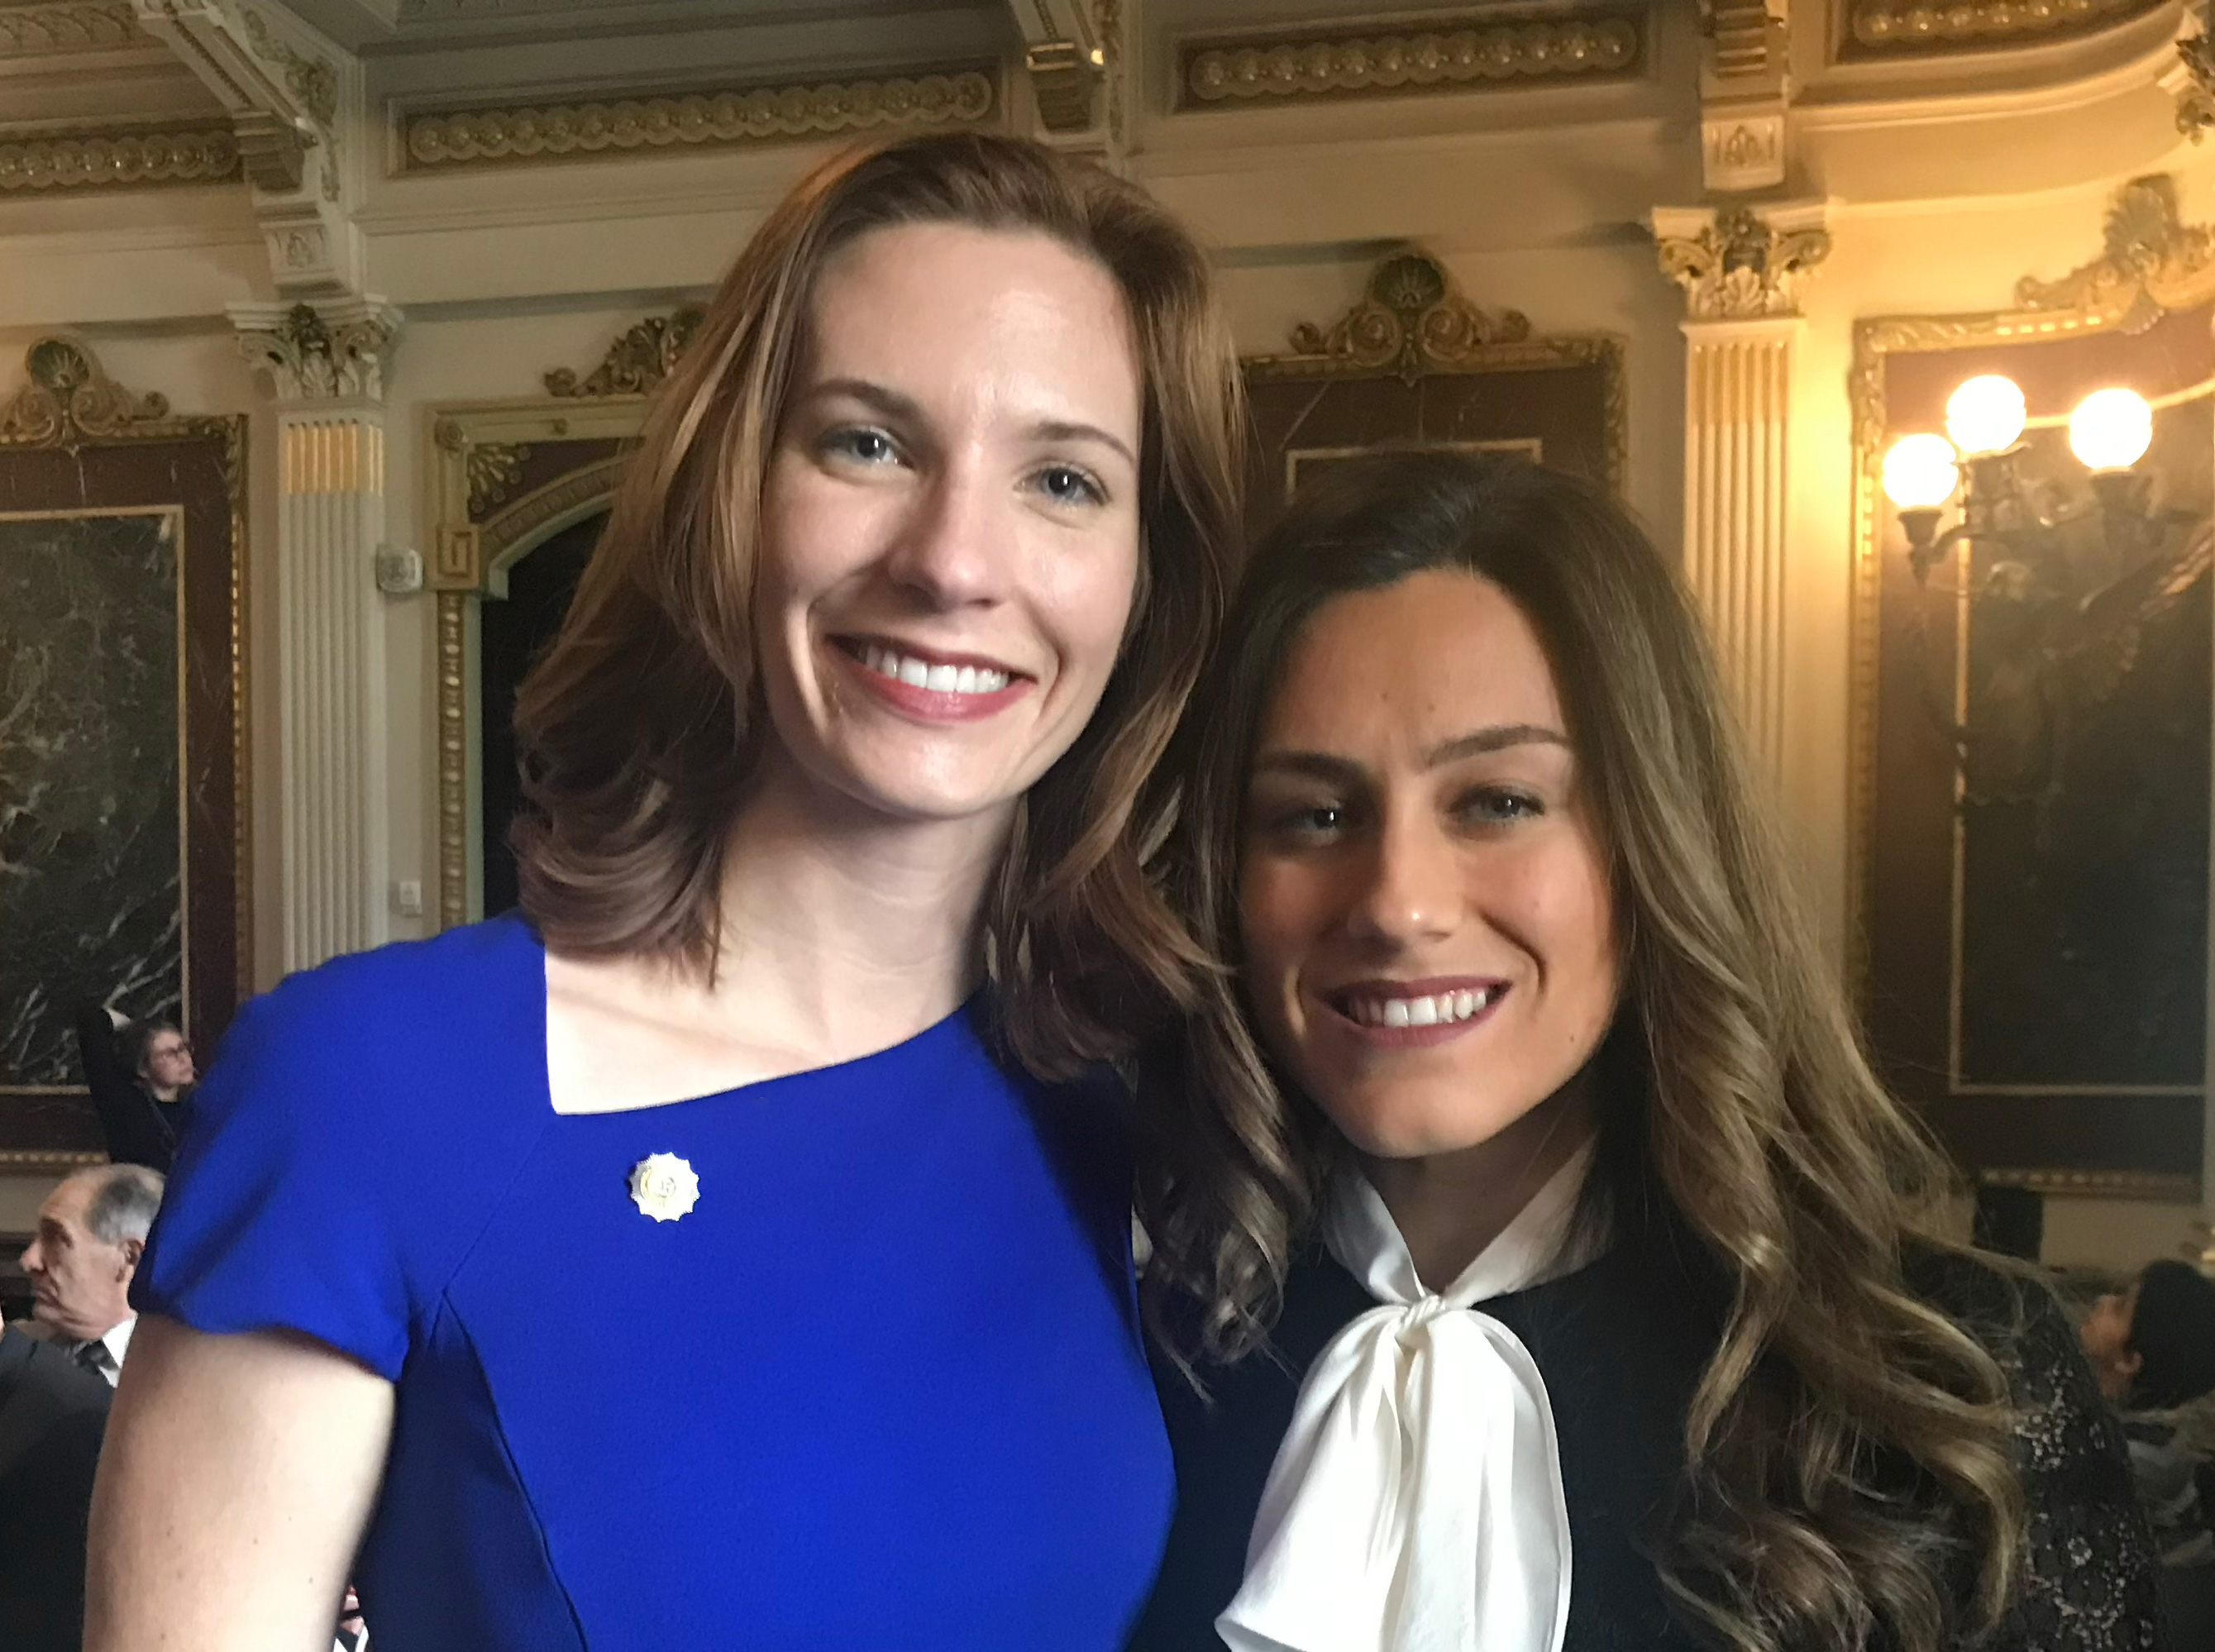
(882, 1387)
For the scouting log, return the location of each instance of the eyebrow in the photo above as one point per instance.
(893, 405)
(1500, 737)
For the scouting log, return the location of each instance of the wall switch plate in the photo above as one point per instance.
(407, 897)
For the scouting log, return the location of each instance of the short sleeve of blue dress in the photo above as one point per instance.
(882, 1384)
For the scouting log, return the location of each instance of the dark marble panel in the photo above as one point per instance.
(91, 883)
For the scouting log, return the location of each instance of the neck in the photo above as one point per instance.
(163, 1092)
(842, 929)
(1449, 1206)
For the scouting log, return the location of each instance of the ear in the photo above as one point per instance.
(132, 1250)
(2129, 1363)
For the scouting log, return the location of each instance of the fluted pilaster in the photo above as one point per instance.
(1740, 272)
(325, 366)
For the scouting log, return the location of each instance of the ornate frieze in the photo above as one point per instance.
(1906, 26)
(334, 351)
(2150, 253)
(1479, 56)
(116, 159)
(637, 361)
(760, 114)
(40, 31)
(1737, 264)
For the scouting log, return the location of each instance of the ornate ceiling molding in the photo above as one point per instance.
(2153, 262)
(41, 31)
(1465, 54)
(335, 351)
(522, 134)
(69, 401)
(636, 362)
(1897, 27)
(1738, 264)
(116, 158)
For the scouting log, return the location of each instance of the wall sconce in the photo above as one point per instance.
(2048, 560)
(1980, 454)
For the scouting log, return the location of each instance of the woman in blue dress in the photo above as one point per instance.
(727, 1249)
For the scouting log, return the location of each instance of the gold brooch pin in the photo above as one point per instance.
(663, 1187)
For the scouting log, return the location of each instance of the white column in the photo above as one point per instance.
(325, 364)
(1740, 272)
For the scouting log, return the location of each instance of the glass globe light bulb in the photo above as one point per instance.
(2111, 430)
(1986, 414)
(1920, 472)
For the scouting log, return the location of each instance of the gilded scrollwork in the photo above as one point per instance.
(754, 115)
(636, 362)
(1410, 321)
(1482, 55)
(494, 468)
(2150, 253)
(69, 401)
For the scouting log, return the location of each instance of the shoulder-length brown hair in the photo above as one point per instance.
(640, 725)
(1738, 1099)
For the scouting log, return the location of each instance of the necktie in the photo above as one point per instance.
(93, 1356)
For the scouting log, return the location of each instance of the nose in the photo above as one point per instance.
(1410, 890)
(956, 548)
(31, 1262)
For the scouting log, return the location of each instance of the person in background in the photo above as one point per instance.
(92, 1231)
(2152, 1346)
(140, 1075)
(52, 1415)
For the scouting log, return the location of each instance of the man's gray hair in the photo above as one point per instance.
(125, 1198)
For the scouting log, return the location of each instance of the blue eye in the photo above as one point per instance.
(863, 445)
(1066, 485)
(1491, 806)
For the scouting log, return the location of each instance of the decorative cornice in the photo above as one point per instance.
(1737, 264)
(41, 31)
(2195, 103)
(1896, 26)
(327, 352)
(1466, 55)
(2151, 251)
(759, 114)
(116, 159)
(314, 82)
(1411, 321)
(637, 361)
(1745, 39)
(70, 402)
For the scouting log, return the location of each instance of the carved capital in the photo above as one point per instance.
(334, 351)
(1737, 264)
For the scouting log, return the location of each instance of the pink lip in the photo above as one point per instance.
(1408, 1038)
(925, 705)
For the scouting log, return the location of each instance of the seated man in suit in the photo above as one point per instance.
(53, 1413)
(92, 1230)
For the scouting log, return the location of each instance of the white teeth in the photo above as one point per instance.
(1438, 1010)
(937, 680)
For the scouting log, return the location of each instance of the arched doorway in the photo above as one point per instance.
(513, 632)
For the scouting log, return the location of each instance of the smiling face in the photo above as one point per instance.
(1427, 927)
(950, 527)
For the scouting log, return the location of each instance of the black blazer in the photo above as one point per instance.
(52, 1413)
(139, 1129)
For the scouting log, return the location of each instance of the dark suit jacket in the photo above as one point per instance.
(53, 1413)
(139, 1129)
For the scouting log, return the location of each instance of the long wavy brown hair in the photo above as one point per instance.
(639, 728)
(1736, 1095)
